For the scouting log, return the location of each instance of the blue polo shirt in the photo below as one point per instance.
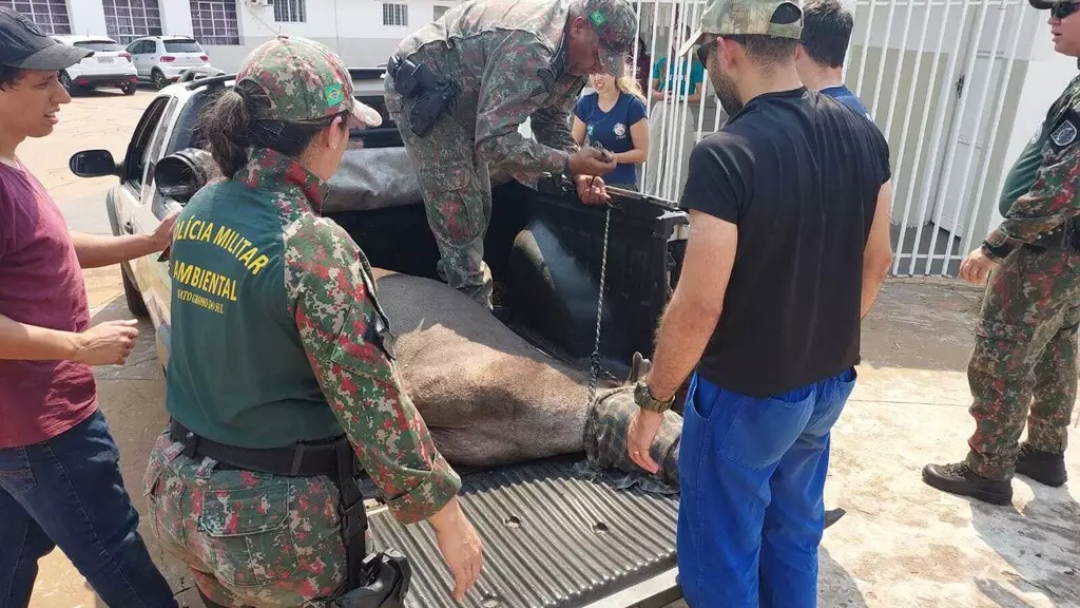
(612, 129)
(844, 95)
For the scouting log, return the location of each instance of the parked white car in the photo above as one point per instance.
(110, 65)
(162, 60)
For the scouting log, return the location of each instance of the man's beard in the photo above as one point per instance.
(724, 86)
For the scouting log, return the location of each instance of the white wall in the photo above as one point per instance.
(352, 28)
(176, 18)
(933, 30)
(87, 17)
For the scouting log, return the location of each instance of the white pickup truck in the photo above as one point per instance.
(552, 539)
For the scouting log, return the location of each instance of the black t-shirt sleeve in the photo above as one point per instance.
(721, 167)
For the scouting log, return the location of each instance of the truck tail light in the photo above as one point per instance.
(168, 58)
(204, 58)
(125, 55)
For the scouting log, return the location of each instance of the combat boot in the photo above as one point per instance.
(957, 478)
(1044, 467)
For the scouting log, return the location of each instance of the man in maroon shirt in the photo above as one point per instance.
(60, 482)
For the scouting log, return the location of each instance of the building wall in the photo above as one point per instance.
(352, 28)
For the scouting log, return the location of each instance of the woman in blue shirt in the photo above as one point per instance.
(615, 116)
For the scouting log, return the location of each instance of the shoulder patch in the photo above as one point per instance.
(1066, 131)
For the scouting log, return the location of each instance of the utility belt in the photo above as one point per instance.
(1066, 237)
(375, 580)
(434, 95)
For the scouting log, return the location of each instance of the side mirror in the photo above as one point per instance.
(93, 163)
(180, 175)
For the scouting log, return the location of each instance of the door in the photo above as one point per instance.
(973, 109)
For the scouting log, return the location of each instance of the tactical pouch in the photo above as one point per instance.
(385, 581)
(433, 96)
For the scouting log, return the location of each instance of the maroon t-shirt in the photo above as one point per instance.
(41, 284)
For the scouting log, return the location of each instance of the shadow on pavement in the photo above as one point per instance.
(1039, 540)
(836, 588)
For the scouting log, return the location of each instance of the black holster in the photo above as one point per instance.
(1066, 237)
(378, 579)
(432, 96)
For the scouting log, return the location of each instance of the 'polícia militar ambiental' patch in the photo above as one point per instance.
(597, 18)
(1065, 134)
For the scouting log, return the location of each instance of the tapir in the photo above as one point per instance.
(491, 398)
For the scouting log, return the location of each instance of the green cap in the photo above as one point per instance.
(744, 18)
(616, 24)
(304, 81)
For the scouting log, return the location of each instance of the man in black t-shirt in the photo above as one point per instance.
(789, 244)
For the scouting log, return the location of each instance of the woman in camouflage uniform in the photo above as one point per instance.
(277, 341)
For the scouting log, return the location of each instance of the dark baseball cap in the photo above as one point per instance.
(24, 46)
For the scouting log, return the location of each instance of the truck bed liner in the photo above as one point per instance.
(551, 539)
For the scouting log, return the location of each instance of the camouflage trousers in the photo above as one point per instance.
(456, 187)
(1023, 366)
(249, 539)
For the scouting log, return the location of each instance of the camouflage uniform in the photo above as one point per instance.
(254, 538)
(1031, 309)
(507, 60)
(1025, 339)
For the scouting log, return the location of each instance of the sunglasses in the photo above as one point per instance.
(1061, 10)
(704, 50)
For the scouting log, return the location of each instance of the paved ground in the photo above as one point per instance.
(902, 543)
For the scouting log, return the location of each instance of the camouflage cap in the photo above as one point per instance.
(744, 17)
(616, 24)
(304, 80)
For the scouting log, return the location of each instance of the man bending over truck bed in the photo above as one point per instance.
(460, 87)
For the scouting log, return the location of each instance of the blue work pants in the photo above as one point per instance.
(751, 512)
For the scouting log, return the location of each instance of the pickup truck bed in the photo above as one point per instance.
(551, 539)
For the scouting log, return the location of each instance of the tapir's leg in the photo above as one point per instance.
(606, 426)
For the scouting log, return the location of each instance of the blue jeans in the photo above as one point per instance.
(68, 492)
(751, 513)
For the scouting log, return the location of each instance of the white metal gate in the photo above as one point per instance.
(941, 79)
(49, 15)
(126, 20)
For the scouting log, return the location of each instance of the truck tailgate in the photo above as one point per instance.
(551, 539)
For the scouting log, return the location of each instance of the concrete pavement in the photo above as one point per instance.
(902, 543)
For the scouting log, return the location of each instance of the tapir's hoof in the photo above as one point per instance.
(832, 516)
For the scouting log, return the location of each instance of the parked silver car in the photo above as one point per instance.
(162, 60)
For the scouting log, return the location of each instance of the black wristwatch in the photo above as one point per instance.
(644, 399)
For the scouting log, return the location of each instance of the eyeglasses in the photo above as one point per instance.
(704, 50)
(1061, 10)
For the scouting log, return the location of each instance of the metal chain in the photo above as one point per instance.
(595, 373)
(595, 358)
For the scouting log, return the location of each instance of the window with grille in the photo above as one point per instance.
(440, 11)
(126, 20)
(214, 21)
(51, 16)
(290, 11)
(395, 14)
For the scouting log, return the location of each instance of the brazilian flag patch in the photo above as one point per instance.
(334, 94)
(597, 18)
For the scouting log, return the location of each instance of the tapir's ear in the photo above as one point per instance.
(638, 369)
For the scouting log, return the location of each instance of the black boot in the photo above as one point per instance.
(1044, 467)
(957, 478)
(832, 516)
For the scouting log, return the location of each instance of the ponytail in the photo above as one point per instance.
(231, 131)
(226, 124)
